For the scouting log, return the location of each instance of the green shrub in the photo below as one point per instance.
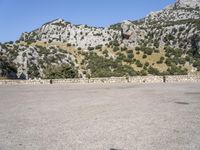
(170, 37)
(174, 70)
(187, 58)
(156, 44)
(105, 52)
(98, 34)
(60, 72)
(153, 71)
(147, 50)
(169, 51)
(123, 48)
(161, 60)
(116, 48)
(181, 61)
(146, 64)
(143, 73)
(43, 50)
(130, 55)
(130, 51)
(156, 51)
(90, 48)
(99, 47)
(69, 44)
(121, 57)
(114, 43)
(102, 67)
(137, 48)
(196, 63)
(33, 71)
(168, 62)
(124, 70)
(144, 56)
(181, 29)
(139, 64)
(138, 53)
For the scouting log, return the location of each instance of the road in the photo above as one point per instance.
(100, 117)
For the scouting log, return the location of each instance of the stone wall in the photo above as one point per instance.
(186, 78)
(136, 79)
(23, 82)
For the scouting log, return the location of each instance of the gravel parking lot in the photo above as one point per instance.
(100, 117)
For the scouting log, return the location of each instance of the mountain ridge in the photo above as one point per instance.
(164, 42)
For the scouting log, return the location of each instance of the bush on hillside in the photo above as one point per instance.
(153, 71)
(60, 72)
(102, 67)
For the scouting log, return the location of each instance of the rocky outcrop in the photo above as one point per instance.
(78, 35)
(195, 42)
(30, 60)
(181, 10)
(131, 33)
(187, 4)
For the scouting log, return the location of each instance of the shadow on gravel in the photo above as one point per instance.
(182, 103)
(193, 93)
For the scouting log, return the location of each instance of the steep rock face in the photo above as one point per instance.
(77, 35)
(187, 3)
(173, 15)
(131, 34)
(173, 26)
(30, 60)
(181, 10)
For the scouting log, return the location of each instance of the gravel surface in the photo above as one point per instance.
(100, 117)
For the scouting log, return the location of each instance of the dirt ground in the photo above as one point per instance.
(100, 117)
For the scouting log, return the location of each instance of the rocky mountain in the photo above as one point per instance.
(187, 4)
(78, 35)
(164, 42)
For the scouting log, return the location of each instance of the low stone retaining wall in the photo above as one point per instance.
(146, 79)
(186, 78)
(135, 79)
(16, 82)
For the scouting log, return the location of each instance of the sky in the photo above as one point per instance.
(18, 16)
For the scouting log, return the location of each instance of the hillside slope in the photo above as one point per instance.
(162, 43)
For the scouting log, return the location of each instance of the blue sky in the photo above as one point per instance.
(17, 16)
